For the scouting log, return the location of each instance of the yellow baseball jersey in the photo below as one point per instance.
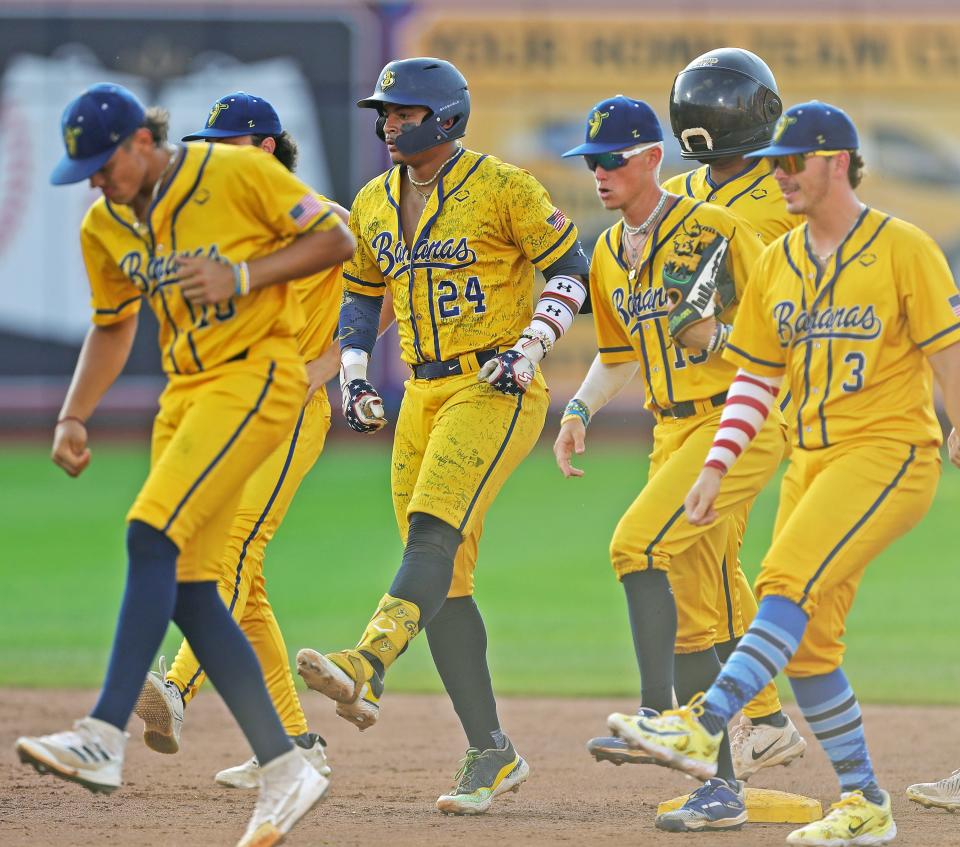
(753, 194)
(853, 337)
(630, 305)
(319, 296)
(468, 282)
(229, 203)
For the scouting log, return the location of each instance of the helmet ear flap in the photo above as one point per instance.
(381, 123)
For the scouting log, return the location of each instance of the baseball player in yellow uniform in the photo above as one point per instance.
(456, 236)
(860, 310)
(722, 105)
(246, 120)
(207, 234)
(664, 282)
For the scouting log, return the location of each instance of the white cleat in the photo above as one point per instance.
(160, 707)
(944, 794)
(289, 788)
(91, 754)
(247, 775)
(756, 746)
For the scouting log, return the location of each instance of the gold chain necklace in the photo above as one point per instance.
(417, 185)
(826, 258)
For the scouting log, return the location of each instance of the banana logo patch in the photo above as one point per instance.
(389, 78)
(70, 134)
(596, 119)
(215, 112)
(782, 126)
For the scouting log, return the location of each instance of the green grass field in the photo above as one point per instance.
(554, 612)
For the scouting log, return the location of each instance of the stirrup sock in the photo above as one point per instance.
(762, 653)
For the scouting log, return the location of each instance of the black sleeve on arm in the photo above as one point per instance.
(359, 320)
(573, 263)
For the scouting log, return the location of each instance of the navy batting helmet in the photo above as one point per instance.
(724, 103)
(433, 83)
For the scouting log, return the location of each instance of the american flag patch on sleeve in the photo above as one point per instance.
(306, 210)
(558, 220)
(954, 302)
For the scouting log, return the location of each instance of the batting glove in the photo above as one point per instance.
(510, 372)
(362, 406)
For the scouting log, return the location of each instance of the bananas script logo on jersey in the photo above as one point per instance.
(440, 254)
(798, 326)
(596, 119)
(70, 134)
(785, 122)
(389, 78)
(215, 112)
(149, 273)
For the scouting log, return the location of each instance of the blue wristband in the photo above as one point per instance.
(577, 409)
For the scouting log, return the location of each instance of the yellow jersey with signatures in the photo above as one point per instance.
(228, 203)
(852, 337)
(630, 305)
(753, 194)
(467, 282)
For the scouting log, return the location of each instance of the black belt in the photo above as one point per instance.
(688, 408)
(450, 367)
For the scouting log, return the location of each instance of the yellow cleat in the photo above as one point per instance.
(676, 738)
(852, 821)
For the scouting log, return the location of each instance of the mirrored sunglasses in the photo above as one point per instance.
(794, 163)
(612, 161)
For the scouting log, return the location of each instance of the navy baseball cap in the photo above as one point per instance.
(239, 114)
(617, 123)
(94, 125)
(810, 126)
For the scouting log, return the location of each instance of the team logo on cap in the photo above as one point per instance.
(596, 119)
(785, 122)
(388, 79)
(70, 134)
(215, 112)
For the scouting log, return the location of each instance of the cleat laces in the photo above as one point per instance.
(689, 713)
(464, 774)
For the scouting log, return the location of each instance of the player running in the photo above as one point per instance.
(208, 235)
(456, 236)
(245, 120)
(723, 105)
(655, 280)
(859, 310)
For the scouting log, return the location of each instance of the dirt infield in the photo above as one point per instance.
(385, 781)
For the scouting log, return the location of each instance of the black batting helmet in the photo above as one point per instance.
(724, 103)
(428, 82)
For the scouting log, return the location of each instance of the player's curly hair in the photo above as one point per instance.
(157, 120)
(285, 151)
(855, 169)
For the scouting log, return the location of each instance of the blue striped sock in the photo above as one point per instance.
(831, 708)
(762, 653)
